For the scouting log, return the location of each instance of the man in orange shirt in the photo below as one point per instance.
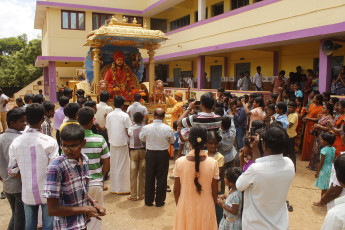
(176, 110)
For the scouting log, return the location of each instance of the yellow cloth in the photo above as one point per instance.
(219, 158)
(292, 118)
(220, 161)
(176, 110)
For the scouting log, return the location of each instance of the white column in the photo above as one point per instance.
(201, 10)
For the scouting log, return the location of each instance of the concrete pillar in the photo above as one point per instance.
(325, 70)
(201, 10)
(147, 78)
(201, 72)
(275, 63)
(152, 74)
(52, 81)
(46, 81)
(226, 67)
(227, 6)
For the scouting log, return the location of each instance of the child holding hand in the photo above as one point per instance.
(324, 168)
(232, 206)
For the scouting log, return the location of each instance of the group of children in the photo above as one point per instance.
(67, 188)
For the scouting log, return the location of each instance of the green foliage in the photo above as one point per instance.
(17, 61)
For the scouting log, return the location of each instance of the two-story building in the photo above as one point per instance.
(212, 41)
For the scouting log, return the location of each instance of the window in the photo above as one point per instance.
(181, 22)
(130, 19)
(159, 24)
(72, 20)
(238, 3)
(99, 20)
(196, 15)
(217, 9)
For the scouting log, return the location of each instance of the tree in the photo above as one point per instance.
(17, 61)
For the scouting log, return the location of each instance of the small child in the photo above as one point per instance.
(49, 112)
(232, 206)
(176, 144)
(281, 114)
(246, 156)
(324, 168)
(212, 143)
(19, 102)
(138, 163)
(213, 140)
(270, 110)
(67, 183)
(291, 131)
(297, 88)
(184, 145)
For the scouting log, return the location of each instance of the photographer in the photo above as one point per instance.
(266, 183)
(206, 118)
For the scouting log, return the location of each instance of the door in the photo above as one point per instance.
(216, 76)
(177, 77)
(162, 72)
(241, 68)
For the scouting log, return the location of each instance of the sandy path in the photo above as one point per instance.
(123, 214)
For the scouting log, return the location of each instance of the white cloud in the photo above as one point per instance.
(17, 17)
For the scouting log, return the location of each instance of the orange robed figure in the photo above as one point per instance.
(121, 79)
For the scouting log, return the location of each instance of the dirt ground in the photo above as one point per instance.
(123, 214)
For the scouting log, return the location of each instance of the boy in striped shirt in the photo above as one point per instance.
(96, 149)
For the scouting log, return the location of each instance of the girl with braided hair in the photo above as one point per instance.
(196, 186)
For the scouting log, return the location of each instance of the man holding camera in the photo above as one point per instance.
(206, 118)
(266, 183)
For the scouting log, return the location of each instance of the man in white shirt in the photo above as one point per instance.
(3, 110)
(190, 82)
(257, 79)
(266, 184)
(158, 137)
(137, 107)
(240, 82)
(103, 109)
(30, 154)
(117, 124)
(335, 218)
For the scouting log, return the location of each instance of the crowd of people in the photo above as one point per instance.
(235, 157)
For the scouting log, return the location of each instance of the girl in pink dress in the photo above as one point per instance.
(196, 186)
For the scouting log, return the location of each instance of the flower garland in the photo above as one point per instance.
(123, 85)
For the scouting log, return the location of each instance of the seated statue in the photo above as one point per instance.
(121, 79)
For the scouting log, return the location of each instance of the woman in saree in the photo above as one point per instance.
(302, 112)
(337, 128)
(324, 119)
(314, 110)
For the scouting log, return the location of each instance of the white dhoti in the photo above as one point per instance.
(119, 170)
(96, 192)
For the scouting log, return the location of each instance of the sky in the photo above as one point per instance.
(17, 17)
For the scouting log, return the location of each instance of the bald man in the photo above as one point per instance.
(158, 137)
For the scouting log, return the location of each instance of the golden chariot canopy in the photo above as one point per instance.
(125, 34)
